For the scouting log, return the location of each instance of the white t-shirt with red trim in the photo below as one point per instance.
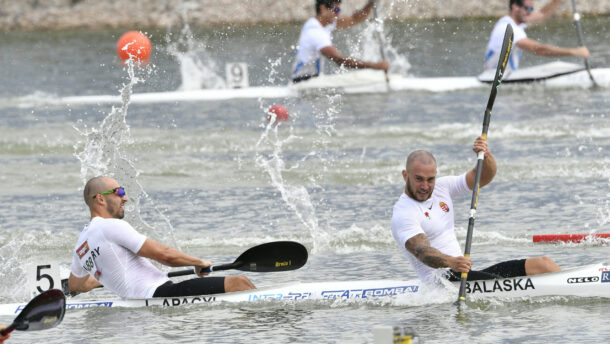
(107, 250)
(433, 217)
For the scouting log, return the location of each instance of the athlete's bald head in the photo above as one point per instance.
(94, 186)
(421, 156)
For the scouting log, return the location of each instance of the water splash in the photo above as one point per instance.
(104, 154)
(368, 44)
(197, 68)
(269, 158)
(295, 196)
(13, 264)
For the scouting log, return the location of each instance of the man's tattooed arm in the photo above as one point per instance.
(419, 246)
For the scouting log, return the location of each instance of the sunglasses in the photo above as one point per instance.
(120, 191)
(337, 9)
(528, 9)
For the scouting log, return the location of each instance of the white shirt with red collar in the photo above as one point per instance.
(433, 217)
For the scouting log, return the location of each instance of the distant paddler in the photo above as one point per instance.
(423, 222)
(521, 16)
(316, 40)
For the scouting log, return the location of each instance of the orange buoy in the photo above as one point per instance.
(134, 44)
(281, 113)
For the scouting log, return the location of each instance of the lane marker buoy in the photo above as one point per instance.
(280, 111)
(134, 44)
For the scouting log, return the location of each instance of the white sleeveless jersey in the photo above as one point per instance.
(313, 38)
(107, 250)
(494, 45)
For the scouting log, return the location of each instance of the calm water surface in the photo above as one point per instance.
(213, 179)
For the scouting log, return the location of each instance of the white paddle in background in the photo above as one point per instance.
(381, 45)
(581, 41)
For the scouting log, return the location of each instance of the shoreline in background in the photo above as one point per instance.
(93, 14)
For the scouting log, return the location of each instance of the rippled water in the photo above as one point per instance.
(215, 180)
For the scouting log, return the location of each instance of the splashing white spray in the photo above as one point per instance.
(197, 68)
(295, 196)
(103, 154)
(367, 45)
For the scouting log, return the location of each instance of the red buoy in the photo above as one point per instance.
(281, 113)
(134, 44)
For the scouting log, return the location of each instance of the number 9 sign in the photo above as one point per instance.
(237, 75)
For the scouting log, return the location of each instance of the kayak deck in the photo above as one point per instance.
(586, 281)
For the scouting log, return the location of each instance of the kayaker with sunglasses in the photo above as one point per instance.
(110, 252)
(521, 16)
(315, 41)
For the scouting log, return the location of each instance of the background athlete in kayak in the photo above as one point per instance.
(315, 40)
(521, 16)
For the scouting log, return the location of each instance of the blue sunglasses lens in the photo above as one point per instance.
(337, 9)
(528, 9)
(120, 191)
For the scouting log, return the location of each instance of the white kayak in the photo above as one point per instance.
(538, 73)
(587, 281)
(551, 75)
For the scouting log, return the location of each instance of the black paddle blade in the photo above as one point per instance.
(507, 46)
(270, 257)
(44, 311)
(267, 257)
